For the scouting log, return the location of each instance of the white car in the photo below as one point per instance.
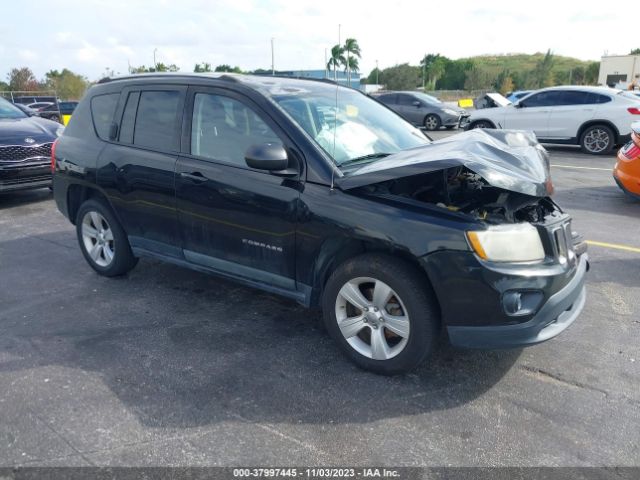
(596, 118)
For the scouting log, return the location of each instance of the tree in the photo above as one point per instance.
(455, 74)
(352, 50)
(3, 86)
(591, 73)
(374, 76)
(22, 79)
(160, 67)
(433, 67)
(635, 51)
(68, 85)
(336, 60)
(478, 78)
(228, 68)
(542, 76)
(400, 77)
(202, 67)
(506, 86)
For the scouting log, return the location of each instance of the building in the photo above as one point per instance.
(340, 75)
(619, 70)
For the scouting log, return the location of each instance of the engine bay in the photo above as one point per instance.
(459, 189)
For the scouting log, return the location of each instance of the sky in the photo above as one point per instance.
(92, 36)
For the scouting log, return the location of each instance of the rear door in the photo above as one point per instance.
(137, 170)
(532, 113)
(235, 219)
(575, 108)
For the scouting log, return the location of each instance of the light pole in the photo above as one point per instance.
(377, 72)
(155, 65)
(273, 69)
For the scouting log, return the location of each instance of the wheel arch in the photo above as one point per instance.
(77, 194)
(593, 122)
(473, 122)
(335, 253)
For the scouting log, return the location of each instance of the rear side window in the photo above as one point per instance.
(102, 109)
(157, 120)
(387, 98)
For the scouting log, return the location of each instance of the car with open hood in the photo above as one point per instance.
(318, 193)
(25, 148)
(596, 118)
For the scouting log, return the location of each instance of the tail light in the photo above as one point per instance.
(633, 110)
(53, 156)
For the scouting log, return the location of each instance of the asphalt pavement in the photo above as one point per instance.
(173, 367)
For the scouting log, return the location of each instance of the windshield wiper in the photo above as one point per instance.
(370, 156)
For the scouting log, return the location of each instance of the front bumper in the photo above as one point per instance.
(25, 175)
(556, 314)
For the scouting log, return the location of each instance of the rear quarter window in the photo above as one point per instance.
(103, 108)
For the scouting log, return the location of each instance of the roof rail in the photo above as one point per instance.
(217, 75)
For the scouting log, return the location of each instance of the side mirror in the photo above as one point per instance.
(267, 156)
(417, 104)
(518, 105)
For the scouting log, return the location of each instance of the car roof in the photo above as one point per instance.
(267, 84)
(582, 88)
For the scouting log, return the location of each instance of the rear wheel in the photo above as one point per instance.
(432, 122)
(597, 140)
(381, 312)
(102, 240)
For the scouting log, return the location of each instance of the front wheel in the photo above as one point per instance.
(102, 240)
(432, 122)
(382, 313)
(481, 124)
(597, 140)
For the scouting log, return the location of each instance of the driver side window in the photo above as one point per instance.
(223, 128)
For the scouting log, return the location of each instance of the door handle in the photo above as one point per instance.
(196, 177)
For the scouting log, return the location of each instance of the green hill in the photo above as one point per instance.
(522, 62)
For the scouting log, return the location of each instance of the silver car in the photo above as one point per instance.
(423, 110)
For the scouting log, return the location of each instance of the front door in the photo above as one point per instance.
(232, 218)
(531, 113)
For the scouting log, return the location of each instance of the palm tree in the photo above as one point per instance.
(352, 49)
(337, 60)
(351, 65)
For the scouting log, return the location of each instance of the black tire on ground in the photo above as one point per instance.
(597, 140)
(123, 259)
(432, 122)
(415, 295)
(450, 127)
(481, 124)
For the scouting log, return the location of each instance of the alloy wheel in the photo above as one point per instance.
(97, 237)
(431, 122)
(596, 140)
(372, 318)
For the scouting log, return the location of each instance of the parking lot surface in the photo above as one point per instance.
(172, 367)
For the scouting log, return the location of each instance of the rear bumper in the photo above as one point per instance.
(556, 315)
(23, 176)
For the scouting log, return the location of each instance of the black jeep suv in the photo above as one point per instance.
(323, 195)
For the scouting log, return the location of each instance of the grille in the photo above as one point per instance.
(19, 153)
(562, 241)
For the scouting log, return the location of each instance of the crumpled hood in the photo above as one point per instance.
(508, 159)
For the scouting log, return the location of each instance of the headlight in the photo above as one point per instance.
(59, 131)
(448, 111)
(508, 243)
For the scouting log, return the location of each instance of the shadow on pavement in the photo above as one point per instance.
(19, 198)
(181, 349)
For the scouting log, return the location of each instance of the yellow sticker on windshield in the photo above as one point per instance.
(352, 111)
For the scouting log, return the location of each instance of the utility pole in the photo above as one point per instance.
(335, 74)
(326, 74)
(273, 69)
(155, 65)
(377, 72)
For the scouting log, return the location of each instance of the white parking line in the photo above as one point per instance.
(582, 168)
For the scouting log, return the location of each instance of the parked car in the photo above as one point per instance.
(29, 99)
(37, 106)
(318, 193)
(626, 172)
(29, 111)
(56, 111)
(513, 97)
(423, 110)
(25, 148)
(596, 118)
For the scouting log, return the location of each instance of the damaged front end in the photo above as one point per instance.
(496, 176)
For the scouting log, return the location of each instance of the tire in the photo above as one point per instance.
(387, 342)
(432, 122)
(481, 124)
(450, 127)
(597, 140)
(97, 226)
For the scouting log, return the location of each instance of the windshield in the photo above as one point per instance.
(359, 129)
(8, 111)
(426, 98)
